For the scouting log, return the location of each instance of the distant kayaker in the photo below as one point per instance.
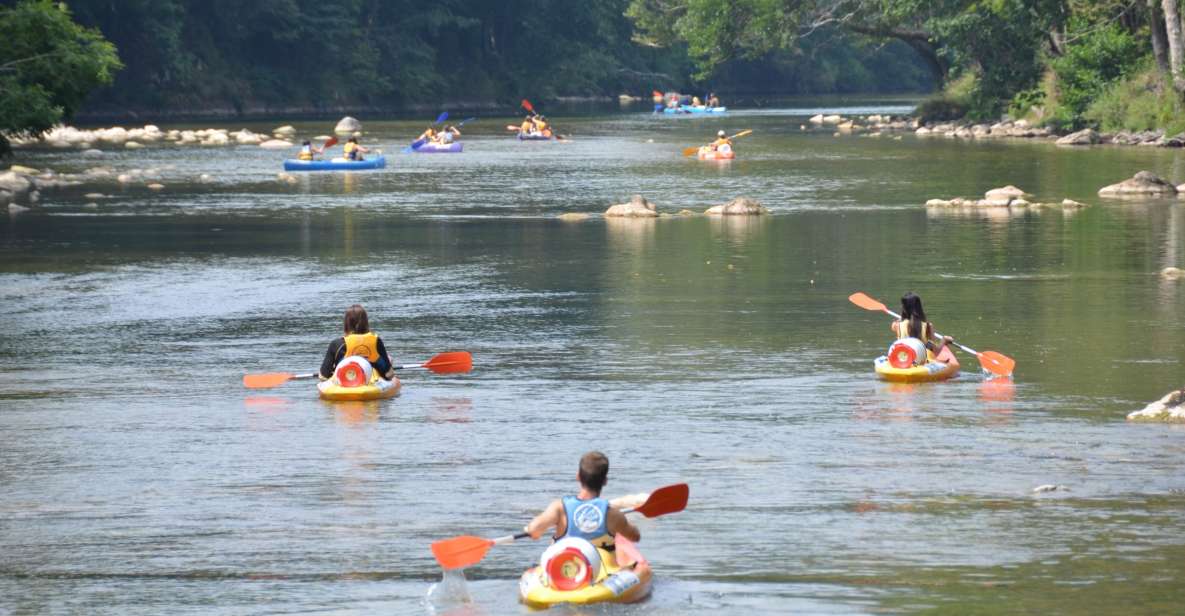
(695, 102)
(528, 125)
(585, 515)
(541, 126)
(721, 140)
(913, 324)
(448, 135)
(358, 340)
(712, 100)
(429, 134)
(307, 150)
(352, 150)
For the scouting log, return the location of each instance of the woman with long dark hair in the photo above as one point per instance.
(357, 340)
(913, 324)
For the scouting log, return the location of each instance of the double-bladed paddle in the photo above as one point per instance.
(991, 361)
(695, 148)
(441, 363)
(467, 550)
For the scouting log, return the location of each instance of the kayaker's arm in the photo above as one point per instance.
(384, 366)
(548, 519)
(330, 360)
(617, 523)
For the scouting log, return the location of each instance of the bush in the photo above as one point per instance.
(1142, 102)
(951, 103)
(1096, 59)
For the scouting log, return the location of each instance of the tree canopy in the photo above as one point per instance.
(48, 66)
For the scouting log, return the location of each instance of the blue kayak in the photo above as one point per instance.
(690, 109)
(437, 148)
(336, 164)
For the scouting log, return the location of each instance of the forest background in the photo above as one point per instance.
(1064, 63)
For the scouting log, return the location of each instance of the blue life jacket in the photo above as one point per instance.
(587, 519)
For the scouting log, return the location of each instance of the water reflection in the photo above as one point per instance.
(450, 409)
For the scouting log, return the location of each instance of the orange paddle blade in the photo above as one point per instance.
(329, 143)
(265, 381)
(461, 552)
(448, 363)
(527, 105)
(996, 363)
(866, 302)
(691, 150)
(667, 499)
(627, 552)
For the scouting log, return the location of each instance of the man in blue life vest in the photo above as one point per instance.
(586, 515)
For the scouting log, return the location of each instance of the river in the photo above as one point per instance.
(140, 477)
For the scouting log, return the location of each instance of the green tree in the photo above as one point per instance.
(48, 65)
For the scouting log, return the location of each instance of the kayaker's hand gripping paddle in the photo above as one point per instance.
(441, 363)
(467, 550)
(991, 361)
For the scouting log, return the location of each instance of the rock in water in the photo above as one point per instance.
(1168, 408)
(1172, 273)
(638, 207)
(347, 125)
(741, 206)
(1086, 136)
(284, 131)
(1007, 192)
(275, 144)
(1144, 183)
(573, 216)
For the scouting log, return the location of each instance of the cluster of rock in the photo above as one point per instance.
(873, 125)
(639, 207)
(65, 137)
(1149, 138)
(1143, 184)
(1021, 129)
(1169, 408)
(1006, 197)
(21, 187)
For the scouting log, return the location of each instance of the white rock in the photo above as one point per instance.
(1172, 273)
(156, 186)
(637, 207)
(1070, 203)
(1168, 408)
(1007, 192)
(23, 170)
(285, 131)
(92, 152)
(817, 119)
(1143, 183)
(133, 145)
(94, 195)
(741, 206)
(347, 125)
(832, 119)
(275, 144)
(16, 209)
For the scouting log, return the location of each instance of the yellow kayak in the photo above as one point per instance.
(377, 389)
(613, 583)
(939, 368)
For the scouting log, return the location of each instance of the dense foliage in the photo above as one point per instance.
(48, 65)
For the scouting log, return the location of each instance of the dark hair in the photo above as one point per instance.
(594, 470)
(354, 140)
(911, 311)
(356, 320)
(306, 142)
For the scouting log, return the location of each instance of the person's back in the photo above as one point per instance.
(357, 340)
(586, 515)
(913, 324)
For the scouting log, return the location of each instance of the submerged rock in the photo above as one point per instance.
(23, 170)
(1070, 203)
(741, 206)
(637, 207)
(1143, 183)
(347, 125)
(1168, 408)
(573, 216)
(1172, 273)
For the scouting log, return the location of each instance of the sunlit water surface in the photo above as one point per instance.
(139, 477)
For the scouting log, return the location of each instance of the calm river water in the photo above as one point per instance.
(139, 477)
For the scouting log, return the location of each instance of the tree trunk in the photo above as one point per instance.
(1172, 23)
(1159, 39)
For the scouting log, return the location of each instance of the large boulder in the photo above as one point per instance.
(284, 131)
(1172, 273)
(1144, 183)
(16, 185)
(637, 207)
(1086, 136)
(1168, 408)
(347, 125)
(741, 206)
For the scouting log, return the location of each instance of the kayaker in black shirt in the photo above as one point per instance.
(358, 340)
